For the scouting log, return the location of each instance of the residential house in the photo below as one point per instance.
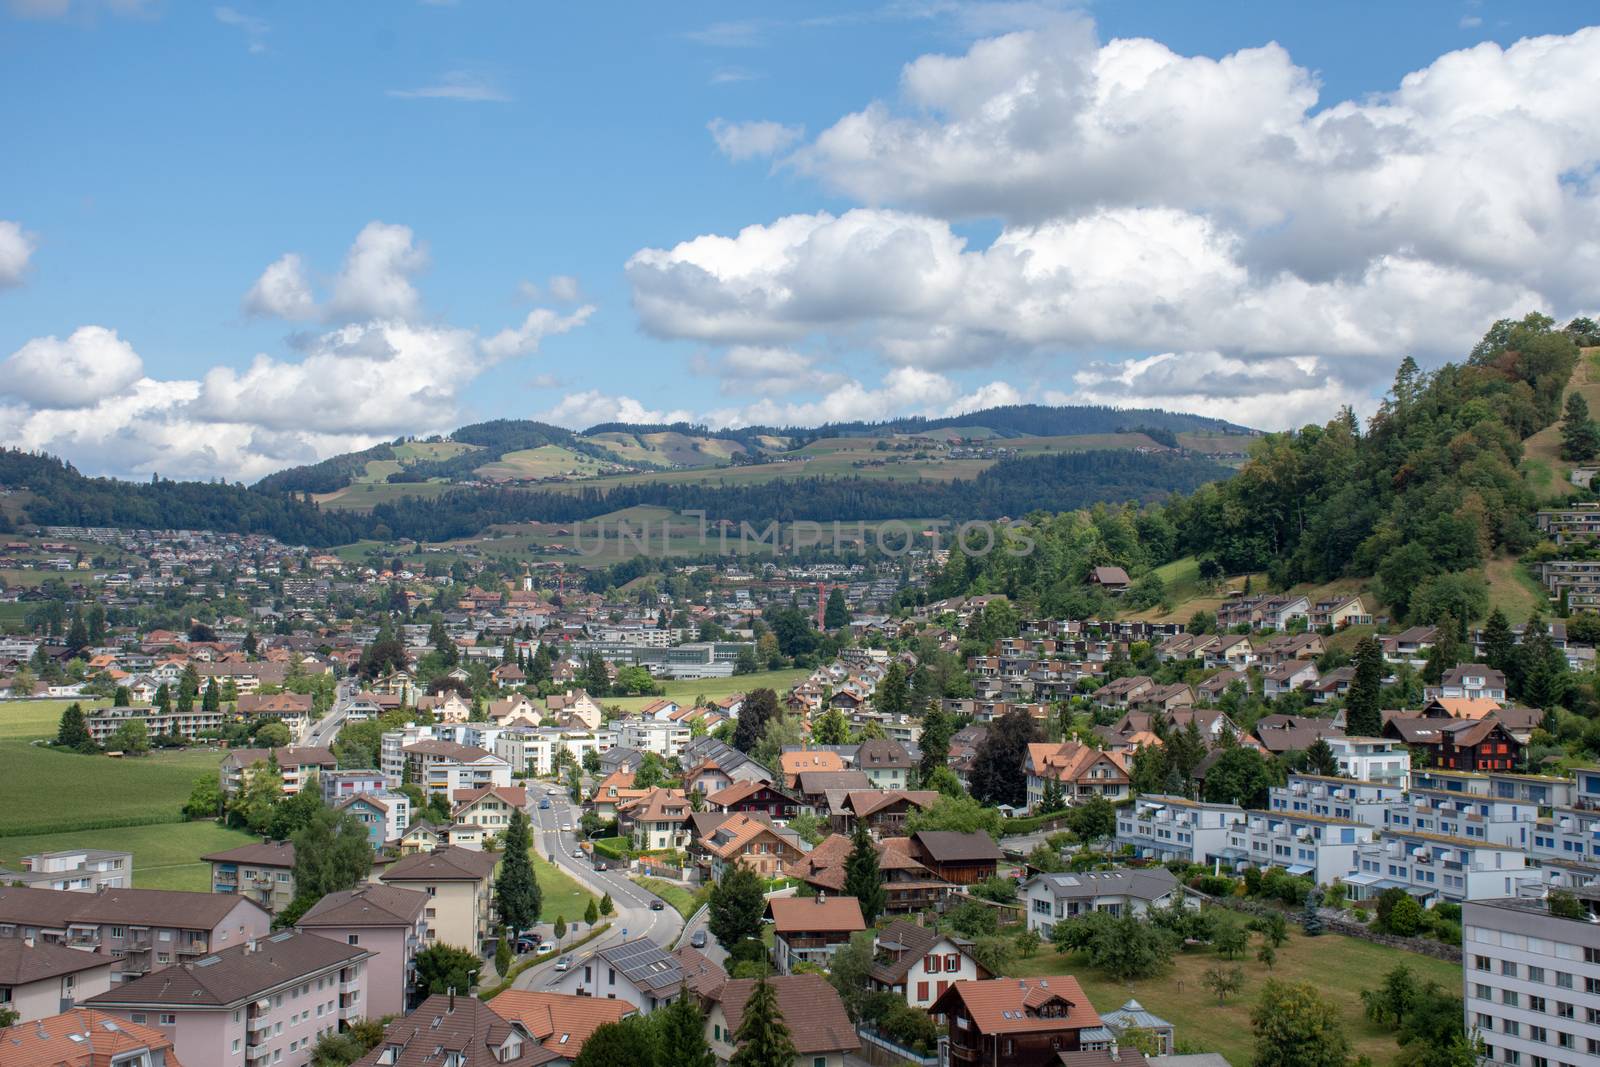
(41, 978)
(1015, 1022)
(1111, 580)
(1079, 770)
(269, 997)
(885, 763)
(1409, 646)
(147, 929)
(1287, 677)
(1469, 680)
(262, 872)
(291, 709)
(460, 882)
(389, 922)
(885, 813)
(811, 929)
(83, 1037)
(1122, 692)
(776, 802)
(818, 789)
(961, 858)
(752, 843)
(1338, 612)
(1263, 612)
(1052, 898)
(1459, 744)
(490, 807)
(386, 815)
(560, 1023)
(446, 767)
(463, 1028)
(660, 820)
(797, 762)
(909, 887)
(1133, 1016)
(919, 963)
(637, 971)
(819, 1027)
(1317, 845)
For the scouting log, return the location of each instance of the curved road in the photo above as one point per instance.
(633, 912)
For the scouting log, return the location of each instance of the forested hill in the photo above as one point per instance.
(1419, 499)
(60, 496)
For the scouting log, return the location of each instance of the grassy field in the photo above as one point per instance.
(563, 897)
(683, 901)
(1340, 967)
(714, 688)
(46, 791)
(164, 857)
(364, 496)
(1542, 466)
(546, 461)
(27, 719)
(668, 448)
(1513, 590)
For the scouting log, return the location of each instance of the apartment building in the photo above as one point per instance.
(1531, 982)
(387, 921)
(1336, 798)
(267, 1001)
(1542, 789)
(490, 808)
(1578, 524)
(1371, 759)
(460, 885)
(82, 870)
(1176, 828)
(445, 767)
(186, 724)
(1317, 845)
(534, 752)
(1434, 867)
(386, 815)
(665, 738)
(147, 929)
(40, 978)
(297, 765)
(341, 785)
(1493, 820)
(262, 872)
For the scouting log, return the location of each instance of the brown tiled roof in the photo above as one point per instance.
(276, 703)
(1125, 1057)
(813, 782)
(447, 749)
(367, 905)
(903, 944)
(262, 854)
(236, 974)
(704, 975)
(810, 1008)
(514, 795)
(736, 792)
(952, 846)
(125, 907)
(561, 1022)
(79, 1038)
(21, 963)
(865, 802)
(453, 864)
(1011, 1005)
(822, 914)
(882, 753)
(662, 805)
(457, 1024)
(287, 756)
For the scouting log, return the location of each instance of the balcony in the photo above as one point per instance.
(256, 1023)
(353, 985)
(257, 1053)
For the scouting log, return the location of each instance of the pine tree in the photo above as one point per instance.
(212, 701)
(516, 890)
(763, 1037)
(1580, 437)
(835, 614)
(1320, 758)
(937, 728)
(1052, 800)
(1445, 652)
(77, 636)
(1542, 668)
(862, 878)
(893, 695)
(1363, 717)
(74, 731)
(1498, 644)
(681, 1033)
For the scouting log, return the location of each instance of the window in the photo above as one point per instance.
(168, 1019)
(235, 1046)
(354, 939)
(1535, 974)
(1508, 968)
(952, 961)
(930, 964)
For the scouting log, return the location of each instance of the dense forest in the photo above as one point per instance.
(1420, 498)
(329, 476)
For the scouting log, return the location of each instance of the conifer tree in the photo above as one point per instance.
(763, 1037)
(74, 731)
(1363, 717)
(1580, 437)
(516, 890)
(862, 878)
(682, 1033)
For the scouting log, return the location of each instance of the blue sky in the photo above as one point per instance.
(160, 156)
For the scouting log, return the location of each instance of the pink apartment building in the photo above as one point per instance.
(264, 1003)
(388, 922)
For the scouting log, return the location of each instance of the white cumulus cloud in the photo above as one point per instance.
(92, 364)
(740, 141)
(16, 249)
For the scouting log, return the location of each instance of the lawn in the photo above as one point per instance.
(1339, 967)
(563, 897)
(685, 902)
(46, 791)
(24, 720)
(714, 688)
(1513, 590)
(164, 857)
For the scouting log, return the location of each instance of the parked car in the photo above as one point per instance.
(527, 944)
(553, 791)
(698, 940)
(544, 805)
(656, 905)
(547, 946)
(564, 963)
(566, 828)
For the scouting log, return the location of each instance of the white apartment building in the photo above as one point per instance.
(1335, 798)
(534, 752)
(1485, 819)
(1316, 845)
(1175, 828)
(1543, 789)
(1531, 983)
(1434, 867)
(1372, 759)
(665, 739)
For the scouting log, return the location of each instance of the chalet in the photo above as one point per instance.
(919, 963)
(774, 801)
(816, 788)
(1018, 1022)
(1459, 744)
(1409, 646)
(909, 887)
(753, 843)
(884, 812)
(957, 857)
(819, 1028)
(1111, 580)
(1167, 697)
(1470, 680)
(1288, 677)
(1081, 772)
(811, 929)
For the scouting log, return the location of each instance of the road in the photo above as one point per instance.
(325, 729)
(633, 914)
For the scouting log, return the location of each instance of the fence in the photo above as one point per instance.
(881, 1052)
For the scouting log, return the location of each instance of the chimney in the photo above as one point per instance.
(249, 946)
(452, 999)
(1116, 1056)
